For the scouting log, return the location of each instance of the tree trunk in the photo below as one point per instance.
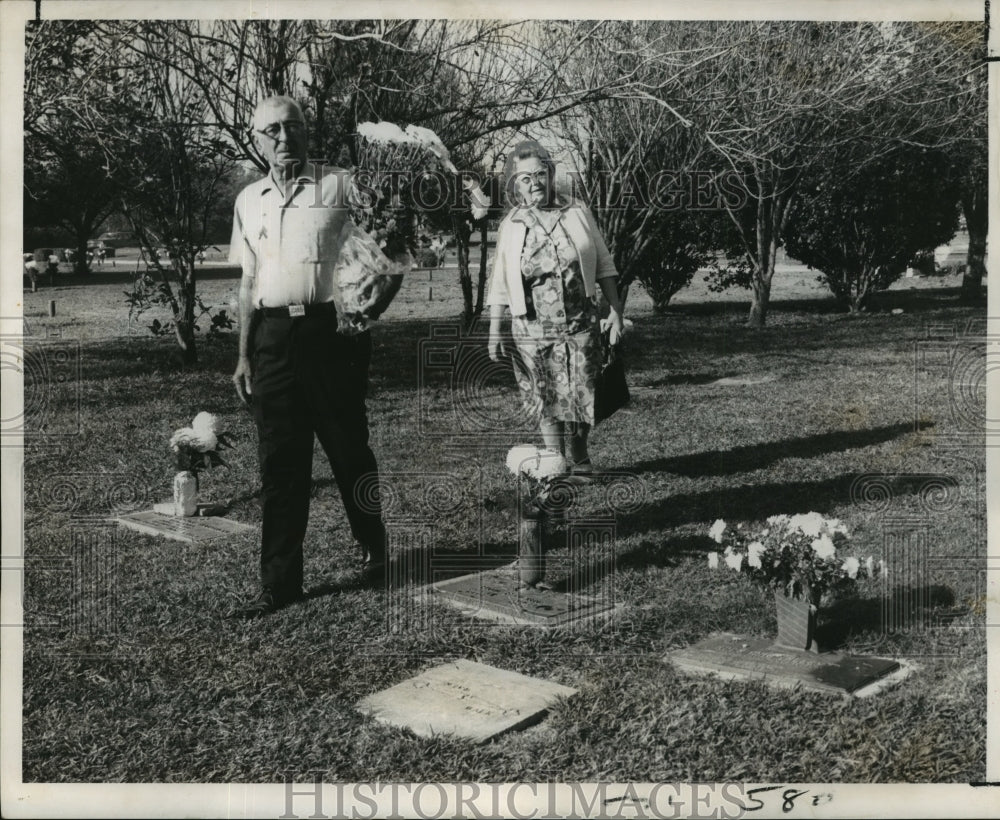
(184, 319)
(462, 235)
(481, 284)
(974, 206)
(975, 270)
(80, 265)
(760, 297)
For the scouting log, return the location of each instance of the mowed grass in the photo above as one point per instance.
(158, 686)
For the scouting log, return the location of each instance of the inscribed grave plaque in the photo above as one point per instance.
(466, 699)
(193, 530)
(741, 657)
(496, 595)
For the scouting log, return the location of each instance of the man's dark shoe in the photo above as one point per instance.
(375, 573)
(266, 602)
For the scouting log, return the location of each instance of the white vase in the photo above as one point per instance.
(185, 494)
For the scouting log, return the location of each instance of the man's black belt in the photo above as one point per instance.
(320, 309)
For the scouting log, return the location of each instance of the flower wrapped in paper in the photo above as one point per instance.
(376, 246)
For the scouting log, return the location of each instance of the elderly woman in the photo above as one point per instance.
(550, 260)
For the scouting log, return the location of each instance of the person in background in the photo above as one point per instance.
(550, 262)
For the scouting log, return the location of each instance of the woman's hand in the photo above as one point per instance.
(495, 345)
(614, 327)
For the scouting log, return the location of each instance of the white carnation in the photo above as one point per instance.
(713, 560)
(206, 423)
(205, 441)
(734, 560)
(185, 437)
(550, 464)
(754, 553)
(851, 567)
(383, 131)
(535, 462)
(518, 456)
(810, 524)
(433, 143)
(823, 547)
(478, 202)
(715, 533)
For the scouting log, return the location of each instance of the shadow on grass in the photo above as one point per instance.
(756, 456)
(749, 502)
(675, 379)
(425, 565)
(902, 609)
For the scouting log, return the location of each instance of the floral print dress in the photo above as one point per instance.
(558, 339)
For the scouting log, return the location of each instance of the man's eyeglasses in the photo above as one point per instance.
(526, 178)
(274, 129)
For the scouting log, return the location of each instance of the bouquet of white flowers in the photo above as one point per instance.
(545, 472)
(198, 447)
(377, 244)
(788, 550)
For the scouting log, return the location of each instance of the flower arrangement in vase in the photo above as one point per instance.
(544, 473)
(801, 557)
(195, 448)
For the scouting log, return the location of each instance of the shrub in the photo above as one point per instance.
(861, 230)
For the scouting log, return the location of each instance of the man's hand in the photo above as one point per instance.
(241, 378)
(379, 298)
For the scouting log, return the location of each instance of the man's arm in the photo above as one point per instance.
(239, 252)
(242, 374)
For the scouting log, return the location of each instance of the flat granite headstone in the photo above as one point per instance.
(741, 657)
(193, 530)
(496, 595)
(763, 378)
(466, 699)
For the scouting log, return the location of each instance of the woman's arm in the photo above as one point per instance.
(609, 287)
(497, 300)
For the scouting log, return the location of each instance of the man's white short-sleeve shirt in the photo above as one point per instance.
(290, 246)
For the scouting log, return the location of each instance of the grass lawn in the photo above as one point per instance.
(164, 689)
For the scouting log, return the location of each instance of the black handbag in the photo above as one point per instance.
(611, 390)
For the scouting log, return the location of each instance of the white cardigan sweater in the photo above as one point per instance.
(506, 285)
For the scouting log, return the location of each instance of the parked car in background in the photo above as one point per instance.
(117, 239)
(100, 249)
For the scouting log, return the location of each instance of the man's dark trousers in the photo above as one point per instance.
(308, 379)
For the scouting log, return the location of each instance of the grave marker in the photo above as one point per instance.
(496, 595)
(193, 530)
(743, 658)
(466, 699)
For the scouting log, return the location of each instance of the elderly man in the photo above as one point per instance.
(301, 377)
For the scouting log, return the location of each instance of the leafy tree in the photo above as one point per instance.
(788, 94)
(862, 230)
(646, 171)
(170, 163)
(65, 181)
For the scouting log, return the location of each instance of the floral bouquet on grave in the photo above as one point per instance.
(198, 447)
(378, 242)
(798, 554)
(550, 487)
